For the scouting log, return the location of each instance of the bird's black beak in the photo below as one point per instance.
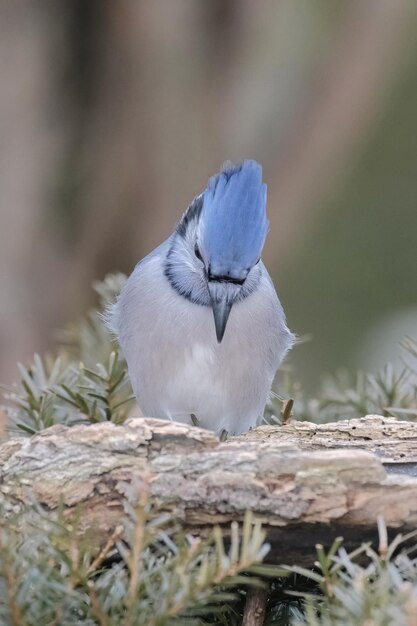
(221, 312)
(222, 300)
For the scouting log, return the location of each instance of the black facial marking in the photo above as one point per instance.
(173, 275)
(197, 252)
(193, 212)
(226, 279)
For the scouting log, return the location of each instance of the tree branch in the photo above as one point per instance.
(307, 483)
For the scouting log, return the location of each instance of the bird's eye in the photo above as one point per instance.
(198, 253)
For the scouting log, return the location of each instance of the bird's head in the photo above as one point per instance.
(215, 251)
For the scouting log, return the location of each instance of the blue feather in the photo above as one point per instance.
(233, 223)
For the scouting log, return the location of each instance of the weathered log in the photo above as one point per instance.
(307, 483)
(393, 441)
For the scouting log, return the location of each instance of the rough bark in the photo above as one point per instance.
(393, 441)
(307, 483)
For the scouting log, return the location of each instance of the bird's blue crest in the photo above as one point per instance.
(233, 223)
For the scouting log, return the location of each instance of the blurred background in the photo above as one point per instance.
(114, 113)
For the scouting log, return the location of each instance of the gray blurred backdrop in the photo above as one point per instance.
(114, 113)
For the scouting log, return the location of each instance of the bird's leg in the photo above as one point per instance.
(223, 434)
(194, 420)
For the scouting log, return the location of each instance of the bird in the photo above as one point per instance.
(199, 321)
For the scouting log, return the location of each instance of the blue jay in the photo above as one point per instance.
(199, 321)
